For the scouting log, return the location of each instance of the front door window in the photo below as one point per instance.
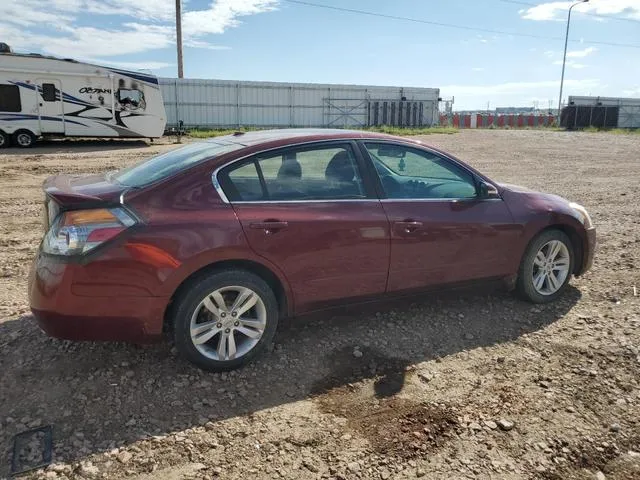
(417, 174)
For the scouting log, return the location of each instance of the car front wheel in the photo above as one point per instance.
(546, 267)
(224, 319)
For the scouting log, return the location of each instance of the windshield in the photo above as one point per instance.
(167, 164)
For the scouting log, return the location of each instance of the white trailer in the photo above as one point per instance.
(47, 96)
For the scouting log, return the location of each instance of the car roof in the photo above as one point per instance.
(288, 136)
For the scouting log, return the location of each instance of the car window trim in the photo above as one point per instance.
(370, 192)
(378, 184)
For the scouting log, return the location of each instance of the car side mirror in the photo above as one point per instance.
(487, 190)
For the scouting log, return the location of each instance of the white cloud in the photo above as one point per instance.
(632, 92)
(141, 10)
(570, 64)
(127, 65)
(27, 13)
(558, 10)
(478, 69)
(190, 42)
(223, 14)
(54, 28)
(581, 53)
(91, 41)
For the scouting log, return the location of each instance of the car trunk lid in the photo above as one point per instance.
(69, 192)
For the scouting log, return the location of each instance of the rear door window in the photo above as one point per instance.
(327, 172)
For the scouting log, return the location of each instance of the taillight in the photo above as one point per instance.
(80, 231)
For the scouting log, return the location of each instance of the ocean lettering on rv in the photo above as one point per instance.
(94, 90)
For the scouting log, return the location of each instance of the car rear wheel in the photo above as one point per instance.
(546, 267)
(24, 138)
(225, 319)
(4, 139)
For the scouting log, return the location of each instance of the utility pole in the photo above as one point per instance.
(179, 36)
(564, 58)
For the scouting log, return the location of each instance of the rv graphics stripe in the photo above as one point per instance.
(67, 98)
(25, 116)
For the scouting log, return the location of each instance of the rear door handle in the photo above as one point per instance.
(269, 226)
(409, 226)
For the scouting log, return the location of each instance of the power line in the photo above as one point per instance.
(518, 2)
(451, 25)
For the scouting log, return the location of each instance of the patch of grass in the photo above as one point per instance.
(209, 133)
(614, 131)
(412, 131)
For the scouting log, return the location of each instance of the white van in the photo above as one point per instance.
(47, 96)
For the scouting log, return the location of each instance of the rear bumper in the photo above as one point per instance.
(589, 251)
(63, 310)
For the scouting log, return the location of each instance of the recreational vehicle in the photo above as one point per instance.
(47, 96)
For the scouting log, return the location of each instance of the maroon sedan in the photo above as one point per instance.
(215, 241)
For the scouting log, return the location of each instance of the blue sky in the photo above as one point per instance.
(278, 40)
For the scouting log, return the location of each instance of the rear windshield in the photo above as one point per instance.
(167, 164)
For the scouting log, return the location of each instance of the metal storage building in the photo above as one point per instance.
(226, 103)
(602, 112)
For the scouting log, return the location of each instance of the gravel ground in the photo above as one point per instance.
(467, 384)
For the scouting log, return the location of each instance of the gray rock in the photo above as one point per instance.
(505, 425)
(600, 476)
(124, 457)
(89, 469)
(357, 353)
(310, 465)
(353, 467)
(614, 427)
(491, 424)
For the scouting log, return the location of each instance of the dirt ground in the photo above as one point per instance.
(467, 384)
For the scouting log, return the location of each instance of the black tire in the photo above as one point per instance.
(24, 139)
(200, 288)
(4, 140)
(525, 283)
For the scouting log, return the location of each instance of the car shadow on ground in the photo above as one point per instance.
(76, 145)
(101, 396)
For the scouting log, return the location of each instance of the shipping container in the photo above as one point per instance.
(226, 103)
(602, 112)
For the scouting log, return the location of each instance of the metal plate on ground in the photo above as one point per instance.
(32, 449)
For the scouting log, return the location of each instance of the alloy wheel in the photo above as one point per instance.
(551, 267)
(228, 323)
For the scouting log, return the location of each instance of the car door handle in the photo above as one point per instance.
(409, 226)
(269, 226)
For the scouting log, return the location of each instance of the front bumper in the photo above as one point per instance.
(100, 310)
(589, 251)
